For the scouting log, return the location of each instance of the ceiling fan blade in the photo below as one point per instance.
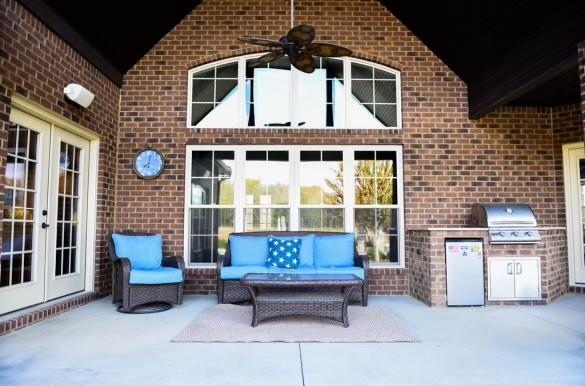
(326, 49)
(264, 59)
(303, 62)
(301, 35)
(259, 41)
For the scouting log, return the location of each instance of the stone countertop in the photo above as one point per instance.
(476, 229)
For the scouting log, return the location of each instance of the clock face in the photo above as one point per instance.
(149, 164)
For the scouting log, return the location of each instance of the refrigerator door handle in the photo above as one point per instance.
(510, 268)
(518, 268)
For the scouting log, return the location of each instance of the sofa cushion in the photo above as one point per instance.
(308, 242)
(144, 252)
(248, 250)
(301, 269)
(283, 253)
(334, 250)
(358, 271)
(236, 272)
(161, 275)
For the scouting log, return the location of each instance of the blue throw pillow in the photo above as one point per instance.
(306, 254)
(248, 250)
(334, 250)
(284, 253)
(144, 252)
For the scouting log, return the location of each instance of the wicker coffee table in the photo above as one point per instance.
(320, 295)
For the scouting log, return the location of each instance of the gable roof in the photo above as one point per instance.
(508, 52)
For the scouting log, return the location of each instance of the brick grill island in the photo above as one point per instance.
(427, 271)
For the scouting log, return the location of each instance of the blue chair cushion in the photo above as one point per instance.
(248, 250)
(358, 271)
(284, 253)
(308, 242)
(301, 269)
(334, 250)
(236, 273)
(144, 252)
(161, 275)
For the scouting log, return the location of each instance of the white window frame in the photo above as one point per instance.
(294, 191)
(241, 93)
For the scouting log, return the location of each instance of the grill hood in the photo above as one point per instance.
(507, 223)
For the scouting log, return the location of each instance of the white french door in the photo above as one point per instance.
(574, 159)
(45, 210)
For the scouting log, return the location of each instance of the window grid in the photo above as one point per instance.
(393, 78)
(392, 234)
(16, 263)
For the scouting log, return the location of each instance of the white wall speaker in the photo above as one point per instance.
(79, 94)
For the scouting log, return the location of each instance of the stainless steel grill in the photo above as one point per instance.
(507, 223)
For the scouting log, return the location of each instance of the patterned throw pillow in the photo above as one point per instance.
(284, 253)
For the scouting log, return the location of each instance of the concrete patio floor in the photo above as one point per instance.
(511, 345)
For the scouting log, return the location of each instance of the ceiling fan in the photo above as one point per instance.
(298, 45)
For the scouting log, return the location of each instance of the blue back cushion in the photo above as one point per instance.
(284, 253)
(307, 249)
(144, 252)
(248, 250)
(334, 250)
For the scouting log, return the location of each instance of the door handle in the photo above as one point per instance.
(510, 268)
(518, 268)
(44, 225)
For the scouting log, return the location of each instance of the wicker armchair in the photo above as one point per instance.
(133, 295)
(231, 291)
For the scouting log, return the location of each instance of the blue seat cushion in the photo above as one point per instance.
(236, 273)
(301, 269)
(358, 271)
(307, 248)
(161, 275)
(284, 253)
(334, 250)
(248, 250)
(144, 252)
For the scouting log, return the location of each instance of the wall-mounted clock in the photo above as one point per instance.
(148, 163)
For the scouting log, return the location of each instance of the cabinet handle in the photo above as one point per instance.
(518, 268)
(510, 268)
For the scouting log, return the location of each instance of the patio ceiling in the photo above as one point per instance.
(508, 52)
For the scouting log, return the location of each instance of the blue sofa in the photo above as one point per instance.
(321, 252)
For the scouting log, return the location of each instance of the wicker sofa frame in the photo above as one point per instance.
(231, 291)
(134, 295)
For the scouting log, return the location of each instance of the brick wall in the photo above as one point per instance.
(449, 161)
(37, 64)
(581, 58)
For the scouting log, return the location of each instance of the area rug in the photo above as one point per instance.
(230, 323)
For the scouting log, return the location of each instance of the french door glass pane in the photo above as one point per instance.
(582, 198)
(376, 232)
(321, 219)
(266, 219)
(68, 202)
(16, 262)
(209, 231)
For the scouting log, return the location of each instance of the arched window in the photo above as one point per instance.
(341, 93)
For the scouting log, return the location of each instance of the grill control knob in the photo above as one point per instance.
(501, 234)
(515, 234)
(529, 234)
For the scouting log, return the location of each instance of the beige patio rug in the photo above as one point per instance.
(231, 323)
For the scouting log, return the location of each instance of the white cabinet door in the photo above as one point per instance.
(501, 279)
(527, 273)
